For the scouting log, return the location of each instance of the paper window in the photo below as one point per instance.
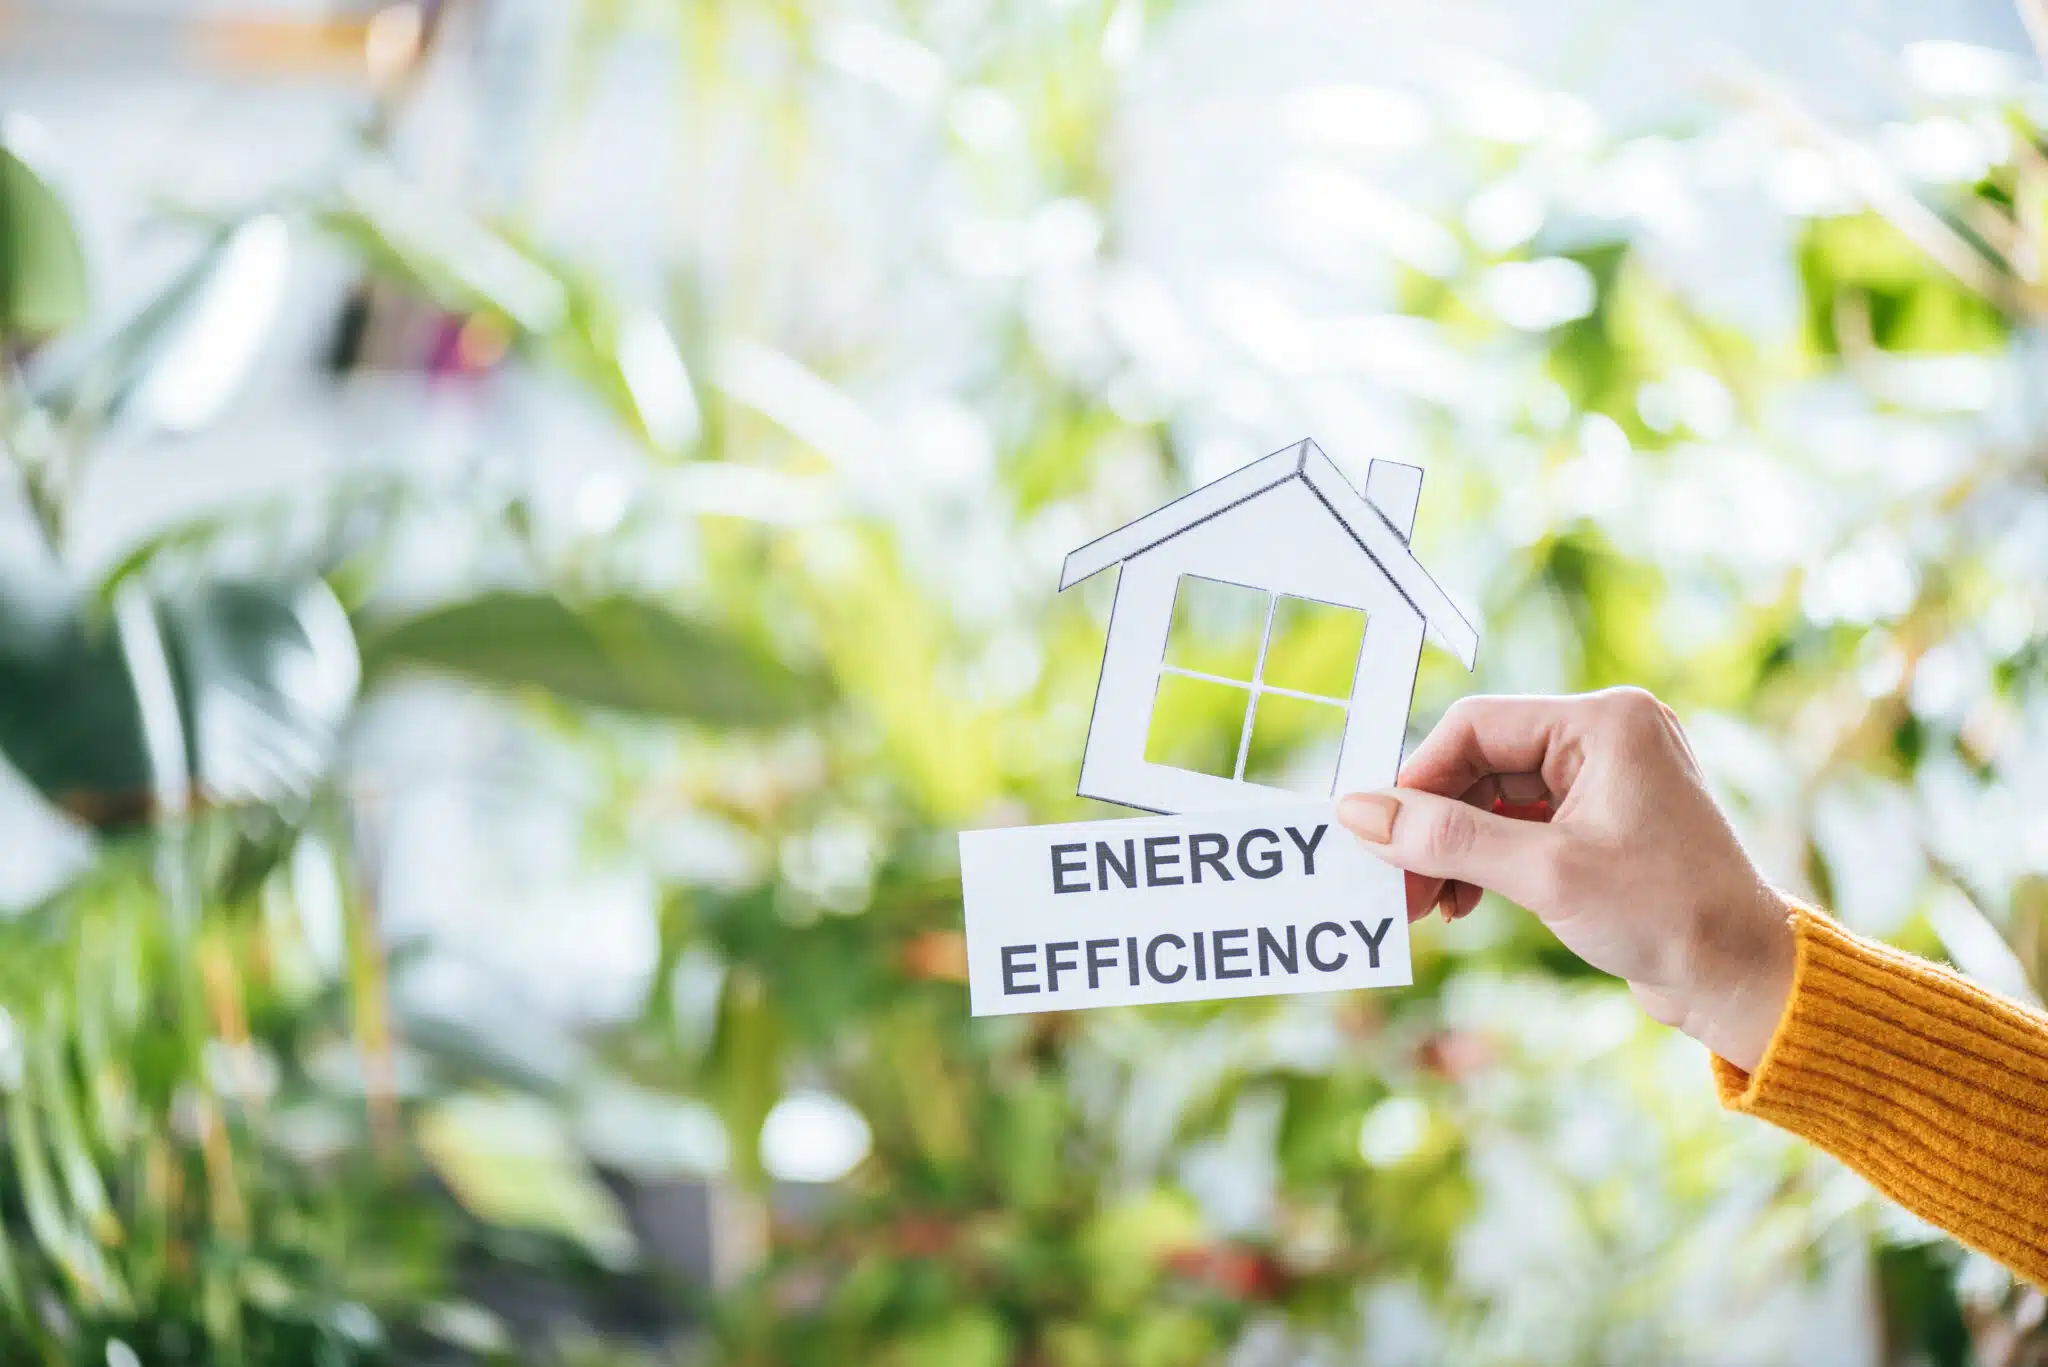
(1254, 686)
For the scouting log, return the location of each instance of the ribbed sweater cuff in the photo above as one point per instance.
(1933, 1088)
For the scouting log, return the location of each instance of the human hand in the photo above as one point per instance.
(1636, 871)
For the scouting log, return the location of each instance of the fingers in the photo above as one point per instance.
(1519, 792)
(1452, 900)
(1423, 895)
(1459, 900)
(1441, 838)
(1426, 894)
(1483, 736)
(1523, 797)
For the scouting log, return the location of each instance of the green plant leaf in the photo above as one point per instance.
(511, 1161)
(42, 268)
(265, 675)
(744, 1070)
(419, 240)
(969, 1336)
(103, 378)
(624, 356)
(68, 719)
(621, 653)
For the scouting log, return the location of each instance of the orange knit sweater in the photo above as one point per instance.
(1931, 1087)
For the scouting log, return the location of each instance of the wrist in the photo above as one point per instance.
(1750, 955)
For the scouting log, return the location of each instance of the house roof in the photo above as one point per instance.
(1306, 462)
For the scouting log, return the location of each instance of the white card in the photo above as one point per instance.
(1177, 908)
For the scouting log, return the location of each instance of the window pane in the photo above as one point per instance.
(1295, 744)
(1196, 725)
(1216, 627)
(1314, 647)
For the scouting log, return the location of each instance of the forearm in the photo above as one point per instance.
(1931, 1087)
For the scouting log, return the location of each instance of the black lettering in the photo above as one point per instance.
(1372, 938)
(1105, 864)
(1208, 848)
(1270, 865)
(1269, 949)
(1096, 963)
(1152, 959)
(1315, 960)
(1154, 862)
(1053, 965)
(1131, 957)
(1224, 954)
(1201, 961)
(1011, 968)
(1308, 847)
(1062, 867)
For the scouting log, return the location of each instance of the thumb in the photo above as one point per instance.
(1442, 837)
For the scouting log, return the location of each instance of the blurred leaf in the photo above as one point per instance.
(265, 674)
(411, 236)
(268, 674)
(621, 653)
(68, 1139)
(2028, 931)
(626, 358)
(1610, 600)
(745, 1068)
(1027, 1144)
(64, 1241)
(886, 638)
(42, 267)
(925, 1090)
(68, 718)
(622, 355)
(1867, 285)
(1922, 1320)
(967, 1337)
(1128, 1243)
(531, 1054)
(101, 380)
(1588, 356)
(511, 1161)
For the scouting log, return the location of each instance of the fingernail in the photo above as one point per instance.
(1447, 902)
(1370, 816)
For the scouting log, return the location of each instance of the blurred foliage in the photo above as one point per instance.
(42, 276)
(805, 645)
(616, 653)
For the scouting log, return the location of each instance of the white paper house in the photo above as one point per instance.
(1291, 526)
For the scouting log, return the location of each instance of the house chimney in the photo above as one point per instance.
(1394, 489)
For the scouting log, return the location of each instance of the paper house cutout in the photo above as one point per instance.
(1289, 526)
